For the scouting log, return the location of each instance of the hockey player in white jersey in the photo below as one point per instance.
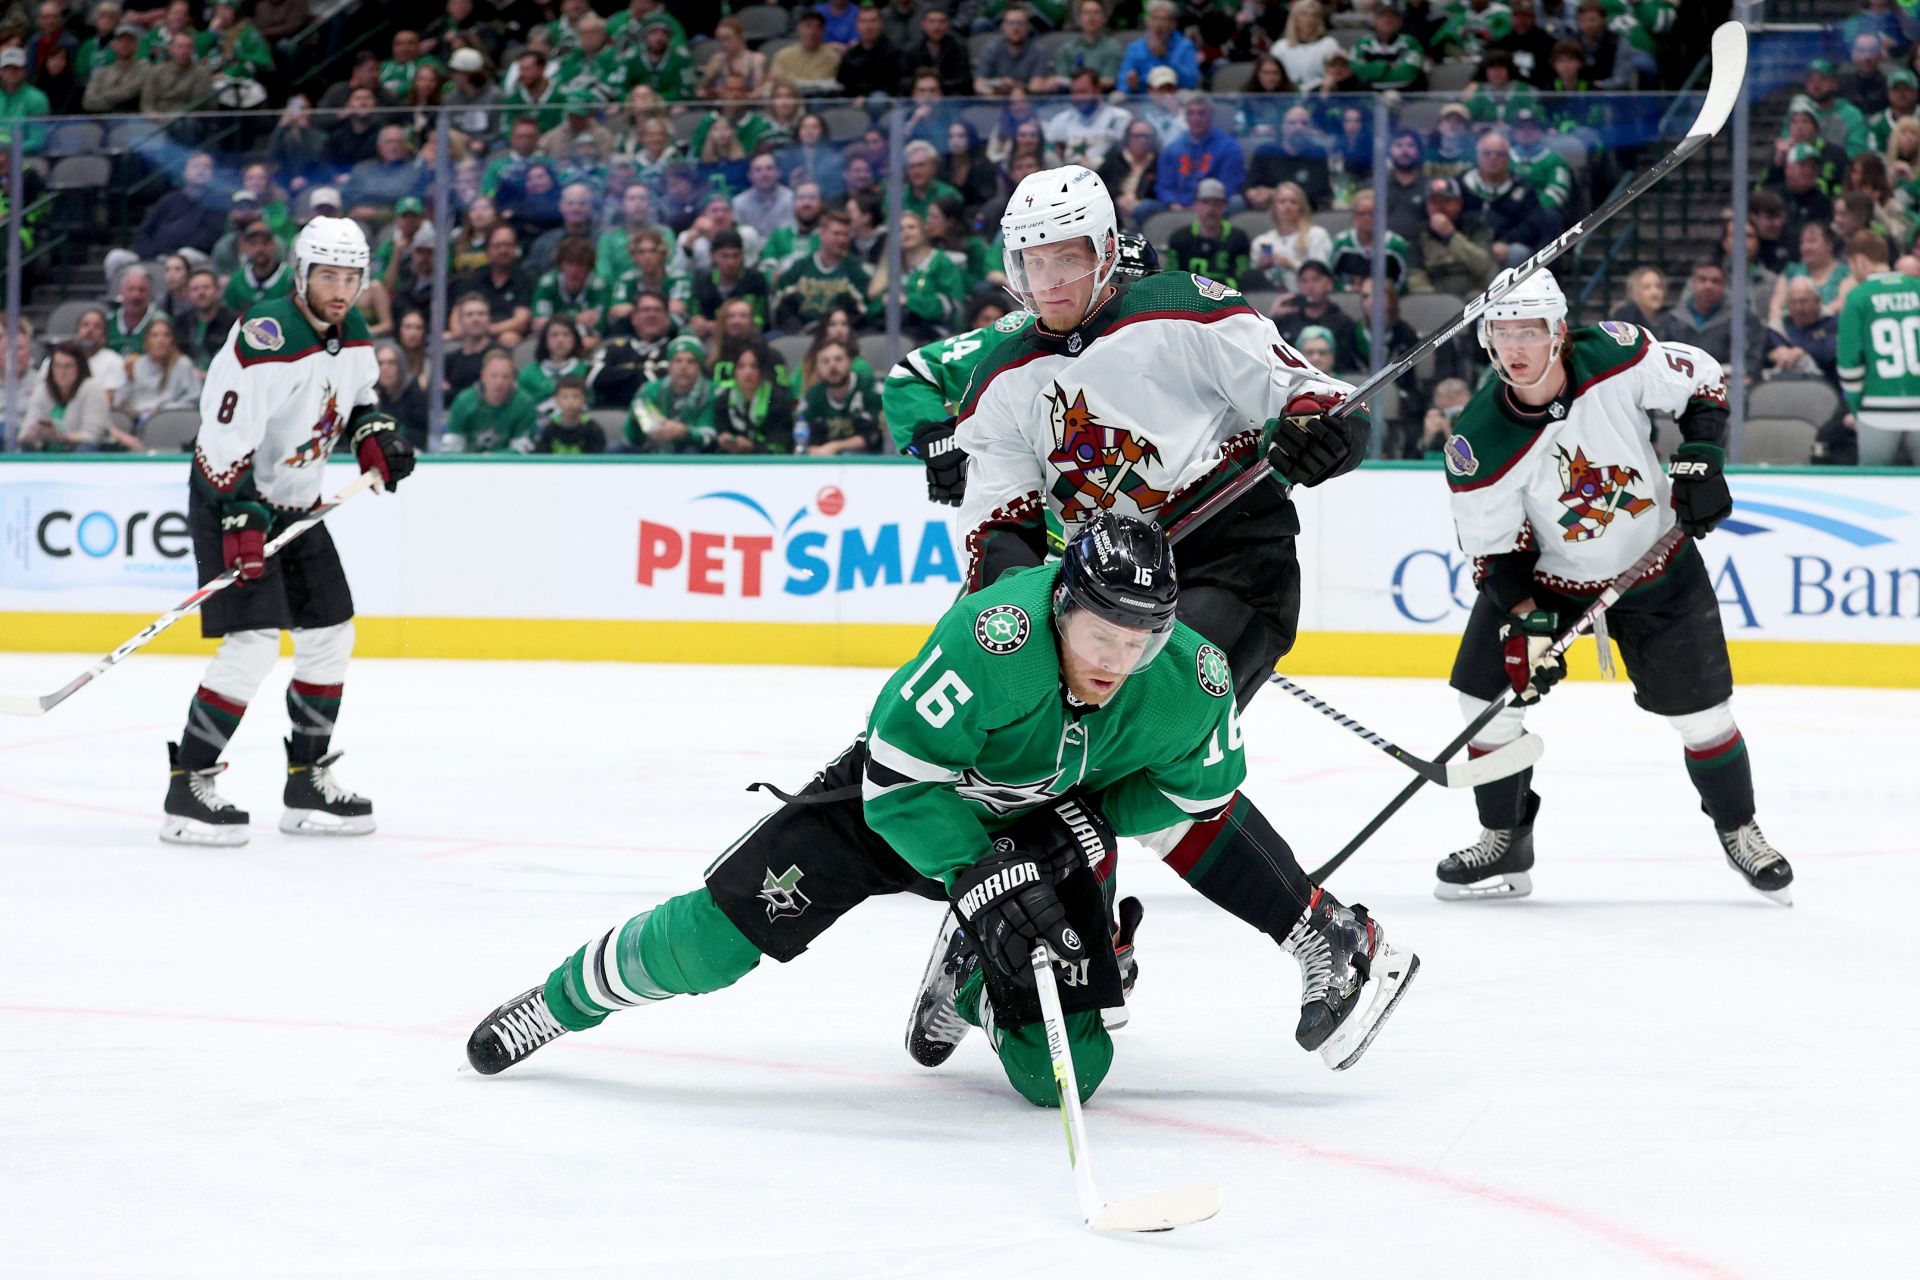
(295, 377)
(1556, 491)
(1143, 398)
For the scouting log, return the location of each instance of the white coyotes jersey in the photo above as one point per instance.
(1577, 481)
(1143, 411)
(278, 400)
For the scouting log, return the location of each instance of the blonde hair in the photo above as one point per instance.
(1904, 126)
(709, 153)
(1291, 34)
(1640, 275)
(1306, 202)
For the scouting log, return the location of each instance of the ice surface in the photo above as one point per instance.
(249, 1062)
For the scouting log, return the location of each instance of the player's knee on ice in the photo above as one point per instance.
(684, 946)
(1029, 1067)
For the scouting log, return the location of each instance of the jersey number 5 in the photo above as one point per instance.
(936, 706)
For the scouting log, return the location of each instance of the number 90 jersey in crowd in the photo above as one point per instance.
(278, 398)
(976, 730)
(1577, 480)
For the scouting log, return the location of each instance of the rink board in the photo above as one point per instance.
(845, 562)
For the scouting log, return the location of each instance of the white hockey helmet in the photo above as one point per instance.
(1538, 297)
(332, 242)
(1056, 205)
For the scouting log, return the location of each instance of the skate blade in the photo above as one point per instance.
(1391, 974)
(318, 822)
(192, 831)
(1782, 895)
(1516, 884)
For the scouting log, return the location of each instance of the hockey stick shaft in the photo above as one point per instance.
(30, 705)
(1584, 623)
(1508, 760)
(1054, 1020)
(1729, 70)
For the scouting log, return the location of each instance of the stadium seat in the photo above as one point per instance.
(1420, 113)
(1425, 312)
(777, 43)
(874, 347)
(1334, 221)
(75, 138)
(1452, 77)
(65, 320)
(171, 430)
(1252, 221)
(1049, 44)
(1350, 303)
(844, 124)
(80, 173)
(131, 135)
(793, 349)
(1777, 441)
(524, 352)
(763, 22)
(611, 421)
(1809, 399)
(1232, 77)
(1163, 224)
(982, 116)
(976, 45)
(1261, 300)
(684, 123)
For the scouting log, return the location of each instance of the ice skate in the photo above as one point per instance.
(1350, 979)
(511, 1032)
(1495, 866)
(196, 811)
(1758, 862)
(936, 1028)
(319, 806)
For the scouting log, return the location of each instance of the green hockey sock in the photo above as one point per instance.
(1023, 1050)
(684, 946)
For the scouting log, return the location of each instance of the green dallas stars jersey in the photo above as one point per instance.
(975, 730)
(927, 384)
(1548, 173)
(1879, 351)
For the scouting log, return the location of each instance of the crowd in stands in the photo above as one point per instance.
(669, 239)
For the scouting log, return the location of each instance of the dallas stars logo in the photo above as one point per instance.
(1003, 798)
(1216, 677)
(1002, 629)
(782, 894)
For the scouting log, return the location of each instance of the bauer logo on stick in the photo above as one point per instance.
(1002, 629)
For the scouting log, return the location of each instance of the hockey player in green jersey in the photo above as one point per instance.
(295, 378)
(1044, 716)
(923, 390)
(1556, 491)
(1879, 366)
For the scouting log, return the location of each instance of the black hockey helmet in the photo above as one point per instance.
(1138, 257)
(1119, 570)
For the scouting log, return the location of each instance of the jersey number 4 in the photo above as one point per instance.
(937, 705)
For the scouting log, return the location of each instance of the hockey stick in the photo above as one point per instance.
(1584, 623)
(25, 704)
(1723, 89)
(1161, 1211)
(1495, 765)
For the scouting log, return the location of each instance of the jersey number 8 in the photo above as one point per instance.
(228, 403)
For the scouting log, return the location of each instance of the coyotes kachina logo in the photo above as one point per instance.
(1593, 495)
(317, 448)
(1096, 462)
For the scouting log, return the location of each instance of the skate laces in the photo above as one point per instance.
(1489, 849)
(1321, 940)
(1749, 848)
(324, 783)
(201, 783)
(526, 1027)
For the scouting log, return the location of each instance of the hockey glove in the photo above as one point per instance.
(1701, 499)
(1066, 835)
(378, 444)
(1525, 640)
(1304, 446)
(934, 445)
(1008, 903)
(243, 539)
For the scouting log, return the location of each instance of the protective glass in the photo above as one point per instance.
(1107, 646)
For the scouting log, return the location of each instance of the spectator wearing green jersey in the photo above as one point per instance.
(674, 414)
(494, 413)
(262, 273)
(1353, 250)
(727, 278)
(533, 97)
(662, 65)
(630, 26)
(574, 288)
(840, 412)
(21, 101)
(1802, 129)
(1389, 58)
(1210, 246)
(932, 285)
(1092, 47)
(396, 73)
(1903, 93)
(752, 412)
(593, 70)
(1471, 26)
(556, 355)
(1497, 92)
(1541, 167)
(569, 430)
(951, 234)
(815, 282)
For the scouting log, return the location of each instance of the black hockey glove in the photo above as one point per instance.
(380, 447)
(934, 445)
(1304, 446)
(1066, 835)
(1525, 640)
(1701, 499)
(1008, 903)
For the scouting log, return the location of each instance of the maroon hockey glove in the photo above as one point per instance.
(378, 444)
(1008, 903)
(1304, 446)
(1525, 639)
(243, 539)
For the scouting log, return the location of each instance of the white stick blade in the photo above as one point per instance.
(1162, 1211)
(1728, 72)
(1504, 762)
(20, 704)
